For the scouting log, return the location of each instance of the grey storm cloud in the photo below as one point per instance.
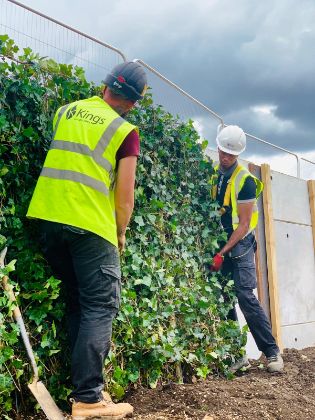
(252, 62)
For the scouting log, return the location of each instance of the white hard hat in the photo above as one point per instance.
(231, 139)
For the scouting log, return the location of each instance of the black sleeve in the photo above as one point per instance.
(248, 191)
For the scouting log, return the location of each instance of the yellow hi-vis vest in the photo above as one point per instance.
(234, 186)
(76, 185)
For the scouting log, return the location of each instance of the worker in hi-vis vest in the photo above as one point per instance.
(236, 191)
(84, 197)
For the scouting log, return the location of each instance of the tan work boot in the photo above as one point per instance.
(275, 363)
(106, 396)
(104, 409)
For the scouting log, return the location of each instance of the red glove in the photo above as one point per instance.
(217, 262)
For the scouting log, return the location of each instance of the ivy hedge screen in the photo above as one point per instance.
(171, 324)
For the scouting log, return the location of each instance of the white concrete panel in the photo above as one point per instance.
(296, 273)
(298, 336)
(290, 200)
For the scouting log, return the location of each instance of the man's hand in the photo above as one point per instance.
(121, 242)
(217, 262)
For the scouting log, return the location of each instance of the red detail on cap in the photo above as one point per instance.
(121, 79)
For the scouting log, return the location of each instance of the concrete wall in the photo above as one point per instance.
(295, 260)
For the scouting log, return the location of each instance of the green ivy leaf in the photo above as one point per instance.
(10, 267)
(139, 221)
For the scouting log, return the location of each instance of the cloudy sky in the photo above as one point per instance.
(253, 62)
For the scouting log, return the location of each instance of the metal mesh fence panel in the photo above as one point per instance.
(180, 103)
(53, 39)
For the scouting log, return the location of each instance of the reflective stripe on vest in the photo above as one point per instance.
(100, 148)
(76, 177)
(234, 186)
(60, 114)
(76, 184)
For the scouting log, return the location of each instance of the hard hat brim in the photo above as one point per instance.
(229, 151)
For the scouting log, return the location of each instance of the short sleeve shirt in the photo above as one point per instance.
(130, 146)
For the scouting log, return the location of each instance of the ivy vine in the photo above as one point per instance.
(171, 324)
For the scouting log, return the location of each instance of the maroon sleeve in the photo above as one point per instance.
(130, 146)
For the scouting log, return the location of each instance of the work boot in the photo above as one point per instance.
(104, 409)
(239, 364)
(106, 396)
(275, 363)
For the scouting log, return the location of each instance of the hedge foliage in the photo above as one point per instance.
(170, 326)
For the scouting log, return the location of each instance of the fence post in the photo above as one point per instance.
(311, 193)
(254, 169)
(271, 255)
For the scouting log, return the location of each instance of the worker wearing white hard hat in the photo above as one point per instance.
(231, 139)
(237, 191)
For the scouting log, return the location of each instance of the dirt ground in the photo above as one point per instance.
(255, 394)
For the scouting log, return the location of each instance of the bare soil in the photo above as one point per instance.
(256, 394)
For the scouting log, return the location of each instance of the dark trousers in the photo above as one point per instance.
(240, 263)
(89, 268)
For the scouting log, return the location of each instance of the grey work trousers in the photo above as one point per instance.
(240, 264)
(89, 268)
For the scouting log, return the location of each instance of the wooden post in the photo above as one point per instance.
(311, 193)
(271, 255)
(253, 169)
(260, 290)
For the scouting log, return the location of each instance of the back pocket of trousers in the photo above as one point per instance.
(111, 285)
